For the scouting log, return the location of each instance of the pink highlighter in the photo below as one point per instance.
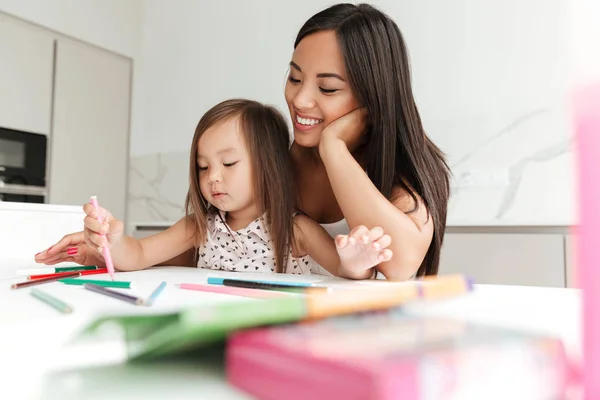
(105, 250)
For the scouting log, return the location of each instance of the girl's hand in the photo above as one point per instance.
(71, 248)
(98, 235)
(362, 250)
(349, 128)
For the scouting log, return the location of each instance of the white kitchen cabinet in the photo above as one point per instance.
(570, 260)
(26, 69)
(506, 258)
(90, 131)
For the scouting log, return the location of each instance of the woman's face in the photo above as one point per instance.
(317, 90)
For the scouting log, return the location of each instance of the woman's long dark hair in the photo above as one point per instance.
(397, 152)
(267, 136)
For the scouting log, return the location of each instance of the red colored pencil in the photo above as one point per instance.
(43, 280)
(63, 274)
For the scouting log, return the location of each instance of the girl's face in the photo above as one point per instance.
(317, 91)
(224, 168)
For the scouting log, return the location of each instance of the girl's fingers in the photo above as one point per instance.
(385, 255)
(341, 241)
(94, 240)
(95, 226)
(91, 212)
(375, 234)
(383, 242)
(357, 235)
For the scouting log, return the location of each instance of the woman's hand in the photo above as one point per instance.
(349, 128)
(71, 248)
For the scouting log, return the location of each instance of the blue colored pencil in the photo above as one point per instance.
(155, 294)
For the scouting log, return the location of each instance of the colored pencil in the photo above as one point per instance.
(388, 295)
(62, 274)
(114, 294)
(52, 301)
(235, 291)
(265, 283)
(271, 286)
(40, 281)
(443, 286)
(113, 284)
(52, 270)
(150, 300)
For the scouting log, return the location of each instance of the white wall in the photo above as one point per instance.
(112, 24)
(195, 54)
(490, 78)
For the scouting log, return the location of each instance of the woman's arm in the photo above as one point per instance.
(363, 204)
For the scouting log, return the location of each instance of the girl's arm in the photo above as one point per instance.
(185, 259)
(170, 247)
(357, 259)
(362, 204)
(173, 248)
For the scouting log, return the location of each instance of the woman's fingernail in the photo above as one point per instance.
(376, 246)
(37, 254)
(99, 249)
(365, 239)
(72, 251)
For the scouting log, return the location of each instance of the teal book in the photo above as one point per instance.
(153, 336)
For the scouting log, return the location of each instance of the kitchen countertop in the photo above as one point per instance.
(10, 206)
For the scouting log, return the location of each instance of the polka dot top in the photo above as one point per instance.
(246, 250)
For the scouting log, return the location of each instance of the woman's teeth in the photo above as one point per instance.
(308, 121)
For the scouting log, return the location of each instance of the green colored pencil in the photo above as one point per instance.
(52, 301)
(113, 284)
(54, 270)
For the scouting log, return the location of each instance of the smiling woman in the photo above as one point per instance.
(360, 151)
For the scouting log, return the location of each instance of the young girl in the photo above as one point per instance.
(240, 209)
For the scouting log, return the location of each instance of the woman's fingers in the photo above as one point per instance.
(59, 247)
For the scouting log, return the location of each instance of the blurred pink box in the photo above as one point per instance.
(388, 355)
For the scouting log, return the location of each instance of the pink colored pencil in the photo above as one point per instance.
(587, 128)
(234, 291)
(105, 250)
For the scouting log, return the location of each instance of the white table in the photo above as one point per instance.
(97, 372)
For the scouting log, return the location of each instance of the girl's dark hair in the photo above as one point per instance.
(397, 152)
(267, 136)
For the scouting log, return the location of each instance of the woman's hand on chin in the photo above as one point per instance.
(349, 129)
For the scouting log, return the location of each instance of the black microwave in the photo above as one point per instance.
(22, 158)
